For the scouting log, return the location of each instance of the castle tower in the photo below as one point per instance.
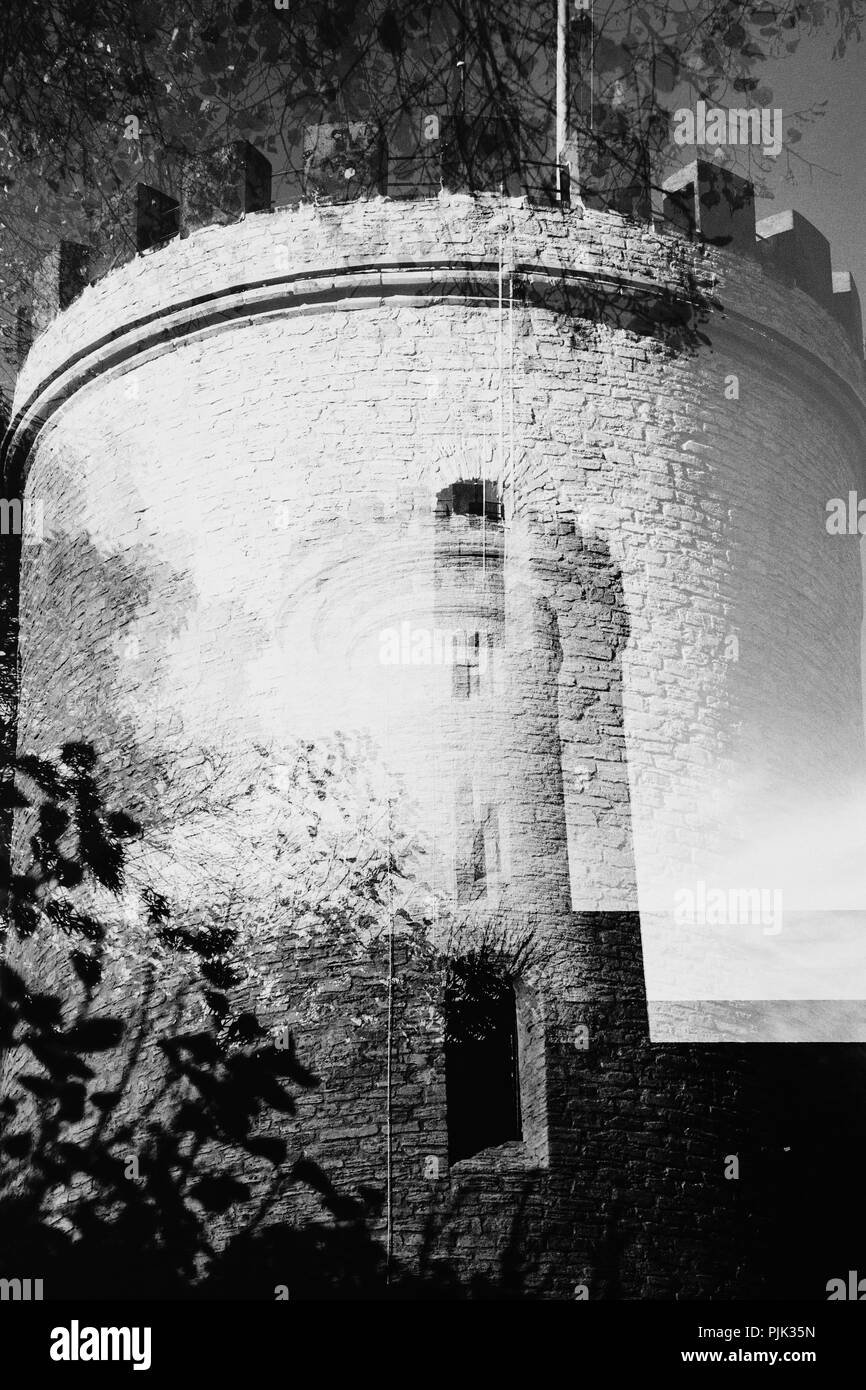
(534, 502)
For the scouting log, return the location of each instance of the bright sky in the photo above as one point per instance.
(833, 194)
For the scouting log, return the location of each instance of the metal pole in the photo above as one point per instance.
(561, 92)
(464, 174)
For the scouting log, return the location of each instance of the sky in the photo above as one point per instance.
(823, 177)
(832, 194)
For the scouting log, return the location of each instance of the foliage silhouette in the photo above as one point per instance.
(107, 1202)
(96, 97)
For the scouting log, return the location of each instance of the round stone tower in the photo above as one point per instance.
(534, 503)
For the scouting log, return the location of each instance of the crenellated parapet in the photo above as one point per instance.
(704, 205)
(224, 185)
(710, 202)
(220, 186)
(705, 201)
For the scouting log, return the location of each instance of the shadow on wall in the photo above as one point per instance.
(83, 1183)
(591, 631)
(84, 1178)
(100, 630)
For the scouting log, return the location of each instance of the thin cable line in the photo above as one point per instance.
(389, 1225)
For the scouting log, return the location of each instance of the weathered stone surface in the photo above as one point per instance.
(241, 499)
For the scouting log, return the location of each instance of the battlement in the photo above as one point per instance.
(709, 202)
(221, 252)
(704, 206)
(220, 187)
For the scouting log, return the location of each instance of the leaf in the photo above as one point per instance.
(57, 1060)
(64, 916)
(274, 1150)
(245, 1029)
(10, 795)
(94, 1034)
(123, 826)
(201, 1047)
(42, 1011)
(343, 1208)
(105, 1100)
(43, 774)
(12, 985)
(274, 1095)
(217, 1003)
(219, 974)
(191, 1117)
(306, 1171)
(217, 1194)
(157, 906)
(389, 33)
(285, 1063)
(87, 968)
(39, 1086)
(80, 756)
(18, 1146)
(72, 1098)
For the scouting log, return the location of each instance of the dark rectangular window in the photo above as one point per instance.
(474, 498)
(465, 680)
(481, 1062)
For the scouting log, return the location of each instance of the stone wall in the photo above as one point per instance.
(239, 442)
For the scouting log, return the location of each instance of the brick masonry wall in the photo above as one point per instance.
(239, 499)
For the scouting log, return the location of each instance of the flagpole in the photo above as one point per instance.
(561, 94)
